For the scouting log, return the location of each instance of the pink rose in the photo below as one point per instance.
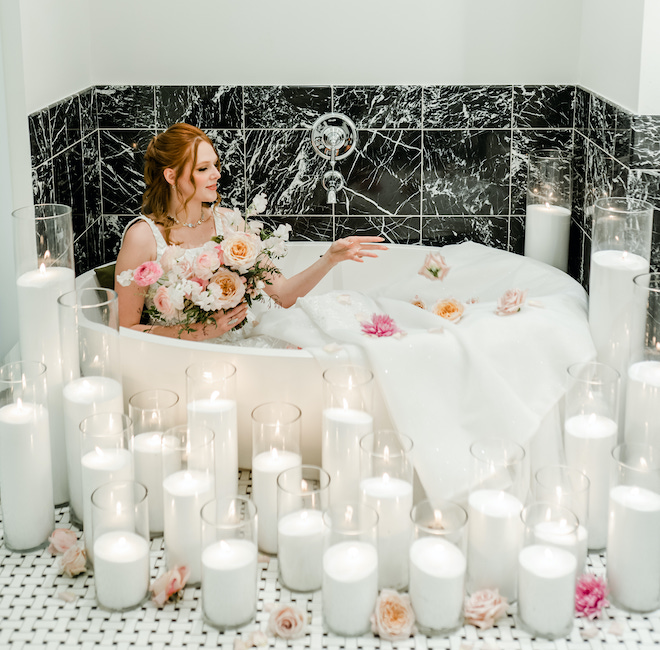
(163, 302)
(590, 596)
(205, 264)
(449, 309)
(170, 256)
(393, 619)
(287, 622)
(74, 561)
(510, 302)
(227, 288)
(484, 607)
(240, 250)
(220, 254)
(435, 267)
(62, 540)
(147, 273)
(169, 585)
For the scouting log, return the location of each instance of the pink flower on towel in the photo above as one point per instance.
(511, 302)
(590, 596)
(380, 325)
(435, 267)
(147, 273)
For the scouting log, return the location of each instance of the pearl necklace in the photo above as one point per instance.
(201, 220)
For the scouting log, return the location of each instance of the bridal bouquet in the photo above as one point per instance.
(230, 268)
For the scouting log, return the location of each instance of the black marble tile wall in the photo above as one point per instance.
(433, 165)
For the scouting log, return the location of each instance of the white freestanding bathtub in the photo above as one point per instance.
(263, 374)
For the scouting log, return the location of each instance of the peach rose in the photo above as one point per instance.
(511, 302)
(393, 619)
(227, 288)
(169, 585)
(147, 274)
(435, 267)
(240, 250)
(449, 309)
(418, 302)
(287, 622)
(484, 607)
(74, 561)
(62, 540)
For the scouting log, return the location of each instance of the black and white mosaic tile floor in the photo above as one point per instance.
(32, 615)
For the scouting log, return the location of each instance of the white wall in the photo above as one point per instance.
(649, 77)
(72, 44)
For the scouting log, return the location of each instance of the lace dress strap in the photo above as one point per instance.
(161, 244)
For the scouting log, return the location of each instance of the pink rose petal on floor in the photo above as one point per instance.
(590, 632)
(66, 595)
(616, 628)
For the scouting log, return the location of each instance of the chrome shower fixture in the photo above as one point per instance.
(334, 137)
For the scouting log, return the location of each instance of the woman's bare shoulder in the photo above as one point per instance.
(139, 242)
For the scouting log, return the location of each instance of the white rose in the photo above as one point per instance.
(125, 278)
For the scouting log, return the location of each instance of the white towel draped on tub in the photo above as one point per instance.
(448, 384)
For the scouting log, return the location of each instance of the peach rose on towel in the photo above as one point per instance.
(449, 309)
(240, 250)
(511, 302)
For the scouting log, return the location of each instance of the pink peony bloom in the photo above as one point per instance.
(484, 607)
(169, 585)
(74, 561)
(590, 596)
(380, 325)
(435, 267)
(287, 622)
(393, 619)
(147, 274)
(511, 302)
(62, 540)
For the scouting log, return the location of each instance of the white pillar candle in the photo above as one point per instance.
(340, 450)
(560, 534)
(643, 403)
(494, 539)
(266, 467)
(437, 583)
(392, 499)
(148, 464)
(546, 589)
(610, 303)
(633, 548)
(350, 587)
(220, 415)
(229, 582)
(300, 549)
(84, 397)
(26, 485)
(101, 466)
(588, 442)
(37, 294)
(121, 569)
(184, 494)
(547, 228)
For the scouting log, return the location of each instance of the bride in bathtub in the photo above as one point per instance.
(180, 206)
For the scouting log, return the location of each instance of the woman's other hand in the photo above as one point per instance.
(355, 248)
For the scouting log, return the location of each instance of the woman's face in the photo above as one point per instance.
(205, 176)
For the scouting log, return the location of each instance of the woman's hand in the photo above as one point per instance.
(354, 248)
(224, 321)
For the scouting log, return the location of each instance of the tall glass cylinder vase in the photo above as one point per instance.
(91, 370)
(494, 507)
(105, 448)
(347, 416)
(620, 250)
(548, 216)
(633, 539)
(642, 411)
(26, 484)
(120, 528)
(152, 412)
(43, 250)
(188, 483)
(211, 399)
(276, 438)
(386, 485)
(590, 434)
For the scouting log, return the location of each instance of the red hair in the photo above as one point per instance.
(172, 149)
